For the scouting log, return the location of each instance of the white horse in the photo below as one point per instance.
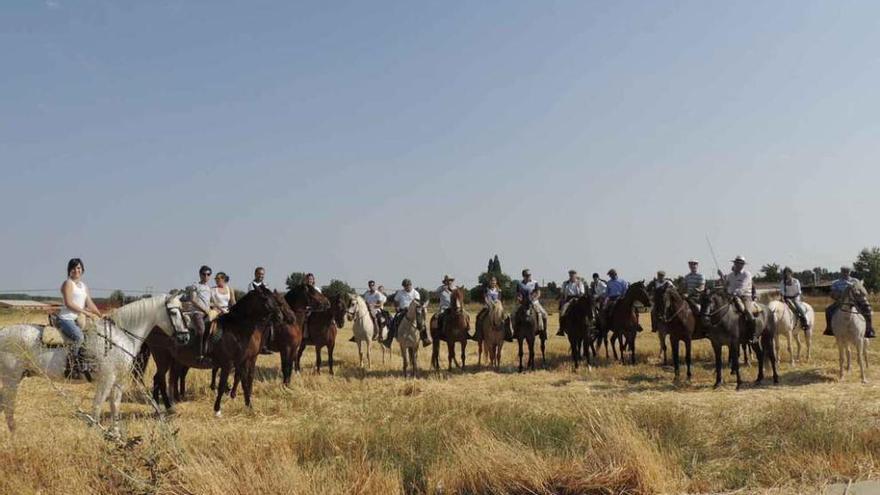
(362, 326)
(849, 330)
(112, 346)
(408, 335)
(787, 323)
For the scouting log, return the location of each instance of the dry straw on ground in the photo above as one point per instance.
(612, 429)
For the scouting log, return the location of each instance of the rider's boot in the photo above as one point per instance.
(829, 313)
(508, 330)
(426, 340)
(869, 328)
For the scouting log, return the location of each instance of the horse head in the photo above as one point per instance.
(854, 293)
(354, 303)
(174, 310)
(457, 301)
(288, 315)
(338, 309)
(418, 312)
(640, 293)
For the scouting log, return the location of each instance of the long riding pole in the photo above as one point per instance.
(712, 250)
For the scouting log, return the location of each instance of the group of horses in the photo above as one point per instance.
(289, 323)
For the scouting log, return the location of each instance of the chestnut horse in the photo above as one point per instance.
(322, 323)
(238, 345)
(623, 320)
(456, 325)
(577, 324)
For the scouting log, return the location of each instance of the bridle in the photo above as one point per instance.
(110, 324)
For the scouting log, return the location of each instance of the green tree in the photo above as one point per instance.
(867, 267)
(295, 279)
(771, 273)
(337, 287)
(117, 298)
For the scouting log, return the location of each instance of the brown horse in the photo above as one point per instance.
(240, 332)
(322, 322)
(456, 326)
(492, 326)
(526, 326)
(577, 324)
(623, 320)
(677, 317)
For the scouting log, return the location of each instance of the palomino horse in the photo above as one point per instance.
(726, 327)
(235, 345)
(456, 325)
(362, 326)
(623, 320)
(787, 324)
(679, 321)
(492, 328)
(527, 325)
(323, 325)
(408, 330)
(577, 324)
(112, 346)
(849, 326)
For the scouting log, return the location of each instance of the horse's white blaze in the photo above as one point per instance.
(21, 349)
(787, 324)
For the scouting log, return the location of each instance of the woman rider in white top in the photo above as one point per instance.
(222, 295)
(77, 301)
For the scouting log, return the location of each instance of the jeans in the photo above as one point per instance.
(72, 331)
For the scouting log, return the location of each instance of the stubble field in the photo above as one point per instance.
(610, 429)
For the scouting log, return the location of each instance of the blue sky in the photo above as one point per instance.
(387, 139)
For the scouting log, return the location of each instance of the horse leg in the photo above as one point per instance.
(688, 344)
(736, 370)
(543, 357)
(247, 382)
(450, 347)
(285, 364)
(182, 382)
(662, 337)
(435, 354)
(673, 340)
(214, 378)
(848, 358)
(716, 347)
(772, 354)
(11, 380)
(531, 343)
(369, 345)
(221, 389)
(330, 348)
(414, 360)
(841, 352)
(317, 359)
(788, 346)
(860, 354)
(403, 355)
(115, 407)
(360, 355)
(102, 391)
(575, 352)
(160, 386)
(520, 344)
(759, 353)
(797, 340)
(808, 337)
(632, 348)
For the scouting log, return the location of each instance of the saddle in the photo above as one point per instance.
(53, 337)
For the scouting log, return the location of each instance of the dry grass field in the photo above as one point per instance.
(611, 429)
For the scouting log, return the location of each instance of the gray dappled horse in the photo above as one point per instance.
(726, 327)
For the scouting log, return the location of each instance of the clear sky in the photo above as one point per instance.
(387, 139)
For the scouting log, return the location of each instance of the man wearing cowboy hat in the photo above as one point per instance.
(444, 294)
(738, 284)
(528, 290)
(571, 289)
(837, 289)
(654, 287)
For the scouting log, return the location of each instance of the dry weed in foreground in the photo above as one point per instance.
(612, 429)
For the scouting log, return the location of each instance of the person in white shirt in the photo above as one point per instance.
(738, 284)
(444, 294)
(791, 295)
(222, 296)
(310, 281)
(597, 287)
(571, 289)
(375, 300)
(200, 308)
(402, 300)
(77, 301)
(259, 276)
(655, 288)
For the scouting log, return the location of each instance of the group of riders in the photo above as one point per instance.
(204, 303)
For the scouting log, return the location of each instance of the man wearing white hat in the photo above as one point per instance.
(738, 284)
(444, 294)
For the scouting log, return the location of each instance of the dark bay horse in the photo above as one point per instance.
(577, 324)
(623, 320)
(322, 322)
(726, 327)
(526, 326)
(680, 322)
(456, 325)
(236, 346)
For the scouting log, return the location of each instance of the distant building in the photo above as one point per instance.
(24, 304)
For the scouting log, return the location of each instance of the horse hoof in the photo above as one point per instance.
(218, 414)
(717, 386)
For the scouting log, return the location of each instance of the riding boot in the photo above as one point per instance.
(869, 328)
(544, 328)
(426, 340)
(392, 332)
(829, 314)
(71, 371)
(508, 331)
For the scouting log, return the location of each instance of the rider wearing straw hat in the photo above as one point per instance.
(738, 284)
(571, 289)
(444, 294)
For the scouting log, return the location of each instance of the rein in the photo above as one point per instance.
(109, 323)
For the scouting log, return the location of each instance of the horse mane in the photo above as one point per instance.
(134, 314)
(496, 313)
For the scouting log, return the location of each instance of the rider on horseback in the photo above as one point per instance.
(198, 308)
(375, 300)
(837, 290)
(738, 284)
(402, 300)
(654, 286)
(77, 302)
(528, 290)
(571, 289)
(491, 295)
(791, 295)
(444, 293)
(694, 285)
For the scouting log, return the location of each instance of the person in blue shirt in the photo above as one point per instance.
(837, 289)
(615, 288)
